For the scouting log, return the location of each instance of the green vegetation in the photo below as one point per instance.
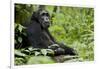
(73, 26)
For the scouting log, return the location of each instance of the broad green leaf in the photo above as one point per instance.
(20, 28)
(19, 39)
(18, 53)
(37, 53)
(44, 52)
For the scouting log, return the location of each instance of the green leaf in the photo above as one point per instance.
(50, 51)
(24, 34)
(19, 39)
(20, 28)
(18, 53)
(44, 52)
(30, 49)
(37, 53)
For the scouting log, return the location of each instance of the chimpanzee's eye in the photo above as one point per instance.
(47, 14)
(43, 14)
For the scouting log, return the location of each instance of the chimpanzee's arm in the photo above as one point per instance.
(51, 37)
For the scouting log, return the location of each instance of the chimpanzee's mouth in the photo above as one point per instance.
(47, 24)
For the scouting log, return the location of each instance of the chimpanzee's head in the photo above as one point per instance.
(43, 17)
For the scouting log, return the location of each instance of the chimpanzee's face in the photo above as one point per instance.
(44, 18)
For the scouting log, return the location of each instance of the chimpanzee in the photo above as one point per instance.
(40, 37)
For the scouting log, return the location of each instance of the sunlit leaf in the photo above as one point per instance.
(44, 52)
(37, 53)
(18, 53)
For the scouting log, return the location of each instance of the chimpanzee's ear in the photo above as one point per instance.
(34, 16)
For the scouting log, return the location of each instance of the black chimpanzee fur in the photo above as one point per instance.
(40, 37)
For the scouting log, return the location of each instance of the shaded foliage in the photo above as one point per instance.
(73, 26)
